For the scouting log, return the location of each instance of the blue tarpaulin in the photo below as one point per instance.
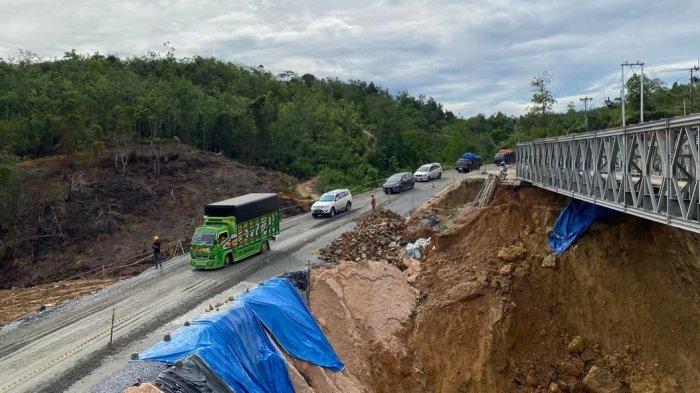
(281, 308)
(573, 222)
(235, 344)
(471, 156)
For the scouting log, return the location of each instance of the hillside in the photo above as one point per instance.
(73, 218)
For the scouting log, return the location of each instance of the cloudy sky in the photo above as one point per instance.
(473, 56)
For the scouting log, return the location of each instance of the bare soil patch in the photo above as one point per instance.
(16, 302)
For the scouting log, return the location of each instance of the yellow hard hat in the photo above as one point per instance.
(155, 237)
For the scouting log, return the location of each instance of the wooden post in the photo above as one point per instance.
(111, 331)
(308, 281)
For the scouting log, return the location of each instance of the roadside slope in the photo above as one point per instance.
(494, 311)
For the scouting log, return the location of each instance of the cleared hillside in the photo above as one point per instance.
(75, 218)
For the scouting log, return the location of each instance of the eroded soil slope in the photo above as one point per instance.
(492, 311)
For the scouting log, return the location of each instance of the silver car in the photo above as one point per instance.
(332, 202)
(428, 171)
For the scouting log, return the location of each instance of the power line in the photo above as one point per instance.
(611, 81)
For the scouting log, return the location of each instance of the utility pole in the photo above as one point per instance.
(585, 108)
(693, 79)
(641, 92)
(641, 96)
(622, 91)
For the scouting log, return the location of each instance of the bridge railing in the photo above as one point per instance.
(650, 170)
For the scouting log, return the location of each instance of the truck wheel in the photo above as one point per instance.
(348, 206)
(229, 259)
(265, 247)
(333, 212)
(440, 175)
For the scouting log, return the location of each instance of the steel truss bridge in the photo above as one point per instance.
(649, 170)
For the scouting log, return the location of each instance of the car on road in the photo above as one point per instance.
(428, 171)
(468, 162)
(398, 182)
(332, 202)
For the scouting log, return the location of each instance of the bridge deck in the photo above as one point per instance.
(648, 170)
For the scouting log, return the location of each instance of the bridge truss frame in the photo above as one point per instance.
(650, 170)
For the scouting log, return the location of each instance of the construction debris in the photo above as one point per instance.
(415, 249)
(377, 237)
(549, 261)
(486, 193)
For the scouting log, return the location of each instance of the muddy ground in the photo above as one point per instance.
(490, 309)
(78, 218)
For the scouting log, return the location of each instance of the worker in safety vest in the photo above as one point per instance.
(157, 256)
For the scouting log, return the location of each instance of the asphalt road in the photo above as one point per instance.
(67, 345)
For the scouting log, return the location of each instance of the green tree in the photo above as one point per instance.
(542, 100)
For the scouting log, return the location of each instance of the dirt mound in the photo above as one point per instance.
(496, 312)
(20, 301)
(376, 237)
(77, 217)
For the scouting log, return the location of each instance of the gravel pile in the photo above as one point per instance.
(134, 372)
(377, 237)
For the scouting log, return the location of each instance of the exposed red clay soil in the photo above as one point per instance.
(490, 310)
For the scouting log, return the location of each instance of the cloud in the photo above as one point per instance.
(473, 56)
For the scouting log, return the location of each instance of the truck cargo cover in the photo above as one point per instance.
(244, 207)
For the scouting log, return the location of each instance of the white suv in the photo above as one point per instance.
(428, 171)
(332, 202)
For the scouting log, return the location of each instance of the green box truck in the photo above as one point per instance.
(235, 229)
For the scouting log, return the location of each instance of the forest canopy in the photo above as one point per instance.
(345, 132)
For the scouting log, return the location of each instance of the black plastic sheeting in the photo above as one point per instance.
(244, 207)
(193, 376)
(299, 279)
